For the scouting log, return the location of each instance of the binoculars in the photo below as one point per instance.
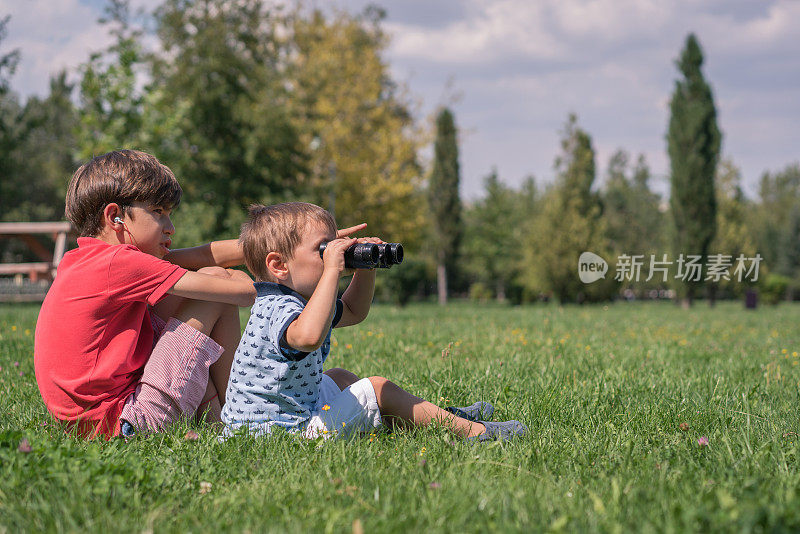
(370, 255)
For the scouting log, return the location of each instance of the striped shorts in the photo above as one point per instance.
(175, 377)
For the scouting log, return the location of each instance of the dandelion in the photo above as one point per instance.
(342, 424)
(14, 328)
(422, 451)
(794, 354)
(326, 408)
(784, 351)
(703, 441)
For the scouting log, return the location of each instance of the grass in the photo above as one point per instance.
(603, 390)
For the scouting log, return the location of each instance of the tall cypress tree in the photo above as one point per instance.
(444, 200)
(693, 143)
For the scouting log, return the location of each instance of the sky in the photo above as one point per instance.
(513, 70)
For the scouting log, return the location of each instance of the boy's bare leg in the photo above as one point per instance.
(399, 406)
(210, 409)
(342, 377)
(221, 323)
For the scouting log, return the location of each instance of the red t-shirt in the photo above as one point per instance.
(94, 335)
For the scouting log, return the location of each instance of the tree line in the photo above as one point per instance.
(249, 102)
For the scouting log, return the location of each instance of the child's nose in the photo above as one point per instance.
(169, 229)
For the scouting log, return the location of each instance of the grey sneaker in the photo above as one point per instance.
(480, 411)
(502, 431)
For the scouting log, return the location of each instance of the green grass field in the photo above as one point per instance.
(603, 390)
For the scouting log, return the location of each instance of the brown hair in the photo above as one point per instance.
(121, 177)
(278, 228)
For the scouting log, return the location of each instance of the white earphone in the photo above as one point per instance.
(118, 220)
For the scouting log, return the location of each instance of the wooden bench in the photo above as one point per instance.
(43, 270)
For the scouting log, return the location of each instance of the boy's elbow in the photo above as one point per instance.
(309, 344)
(306, 342)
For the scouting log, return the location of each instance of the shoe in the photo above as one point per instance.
(501, 431)
(479, 411)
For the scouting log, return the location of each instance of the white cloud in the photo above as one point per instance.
(50, 36)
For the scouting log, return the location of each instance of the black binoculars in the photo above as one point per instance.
(370, 255)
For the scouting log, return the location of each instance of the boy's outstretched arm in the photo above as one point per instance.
(224, 253)
(237, 290)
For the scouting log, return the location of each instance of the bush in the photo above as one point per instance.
(480, 292)
(775, 287)
(402, 282)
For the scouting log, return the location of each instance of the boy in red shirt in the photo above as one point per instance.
(132, 336)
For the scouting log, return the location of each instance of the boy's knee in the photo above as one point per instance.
(342, 377)
(378, 383)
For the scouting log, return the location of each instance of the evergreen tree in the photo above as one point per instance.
(693, 143)
(568, 224)
(444, 200)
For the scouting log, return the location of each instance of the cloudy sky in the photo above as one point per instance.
(513, 69)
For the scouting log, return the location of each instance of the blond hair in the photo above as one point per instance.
(278, 228)
(122, 177)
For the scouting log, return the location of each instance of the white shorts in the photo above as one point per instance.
(342, 413)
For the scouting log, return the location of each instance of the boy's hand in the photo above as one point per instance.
(375, 240)
(333, 257)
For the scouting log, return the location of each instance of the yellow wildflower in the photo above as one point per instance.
(326, 408)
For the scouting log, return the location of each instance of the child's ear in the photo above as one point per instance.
(276, 266)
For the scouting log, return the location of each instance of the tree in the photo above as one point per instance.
(357, 124)
(776, 222)
(220, 88)
(493, 233)
(734, 236)
(631, 212)
(444, 200)
(46, 154)
(693, 143)
(110, 95)
(568, 224)
(9, 120)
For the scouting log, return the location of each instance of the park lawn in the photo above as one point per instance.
(603, 390)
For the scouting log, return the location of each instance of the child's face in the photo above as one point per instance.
(305, 267)
(149, 229)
